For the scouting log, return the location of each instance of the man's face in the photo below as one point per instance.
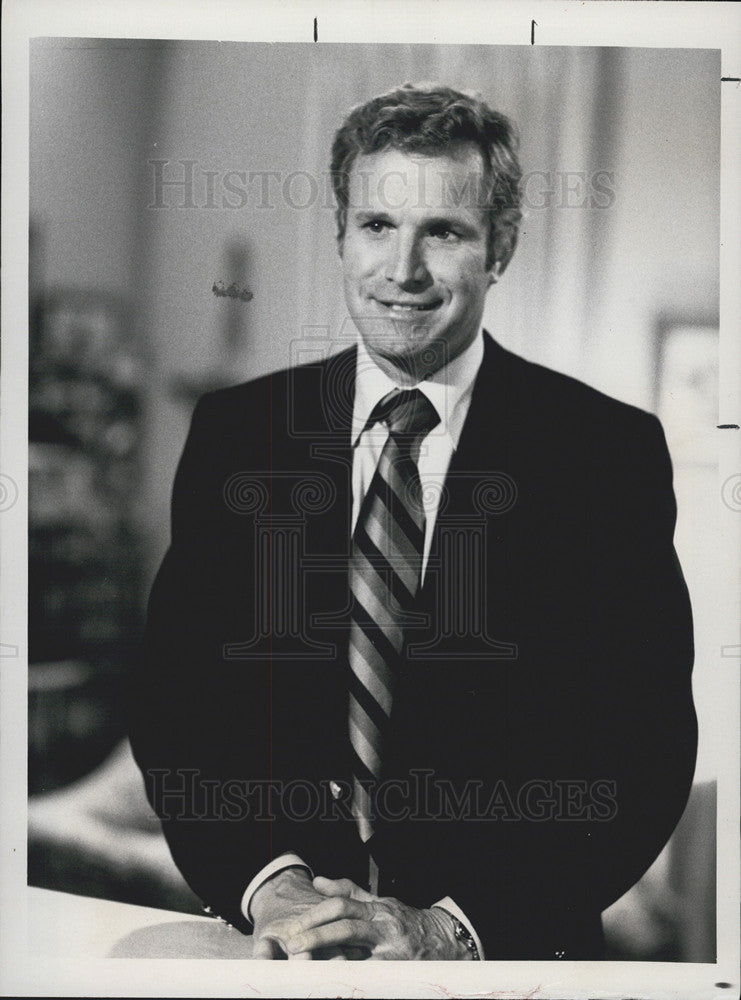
(414, 256)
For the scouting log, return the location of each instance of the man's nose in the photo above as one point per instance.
(406, 265)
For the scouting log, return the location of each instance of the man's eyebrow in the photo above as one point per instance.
(453, 220)
(366, 215)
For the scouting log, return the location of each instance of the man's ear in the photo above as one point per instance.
(494, 271)
(505, 240)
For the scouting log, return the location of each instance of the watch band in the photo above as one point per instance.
(463, 934)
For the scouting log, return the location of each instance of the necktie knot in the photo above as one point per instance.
(407, 412)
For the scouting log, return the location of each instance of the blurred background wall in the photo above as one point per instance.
(158, 170)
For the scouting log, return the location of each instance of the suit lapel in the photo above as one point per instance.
(329, 454)
(483, 452)
(326, 407)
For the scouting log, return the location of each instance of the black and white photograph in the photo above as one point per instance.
(370, 486)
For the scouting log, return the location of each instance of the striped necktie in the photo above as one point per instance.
(385, 573)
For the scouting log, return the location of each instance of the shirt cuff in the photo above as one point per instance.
(270, 869)
(448, 904)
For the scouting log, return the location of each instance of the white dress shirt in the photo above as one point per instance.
(449, 390)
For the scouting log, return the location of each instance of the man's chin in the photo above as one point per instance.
(416, 360)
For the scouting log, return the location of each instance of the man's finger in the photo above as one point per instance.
(339, 932)
(327, 912)
(341, 887)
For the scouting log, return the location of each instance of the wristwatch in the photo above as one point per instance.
(463, 934)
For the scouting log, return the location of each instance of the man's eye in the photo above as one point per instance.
(376, 225)
(443, 232)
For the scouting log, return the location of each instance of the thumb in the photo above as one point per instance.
(266, 948)
(263, 948)
(341, 887)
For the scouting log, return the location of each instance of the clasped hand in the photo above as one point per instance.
(337, 920)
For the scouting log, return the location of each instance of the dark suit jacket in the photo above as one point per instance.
(544, 714)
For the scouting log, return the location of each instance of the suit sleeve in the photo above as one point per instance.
(200, 724)
(627, 725)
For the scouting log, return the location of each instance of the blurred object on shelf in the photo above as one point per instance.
(84, 332)
(73, 708)
(85, 407)
(83, 559)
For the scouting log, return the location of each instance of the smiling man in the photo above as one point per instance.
(469, 727)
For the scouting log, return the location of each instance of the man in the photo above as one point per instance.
(431, 588)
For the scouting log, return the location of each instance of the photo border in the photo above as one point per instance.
(641, 24)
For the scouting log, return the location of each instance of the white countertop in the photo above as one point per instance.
(63, 924)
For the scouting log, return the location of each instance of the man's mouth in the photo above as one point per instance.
(410, 307)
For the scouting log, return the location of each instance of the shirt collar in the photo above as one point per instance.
(449, 389)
